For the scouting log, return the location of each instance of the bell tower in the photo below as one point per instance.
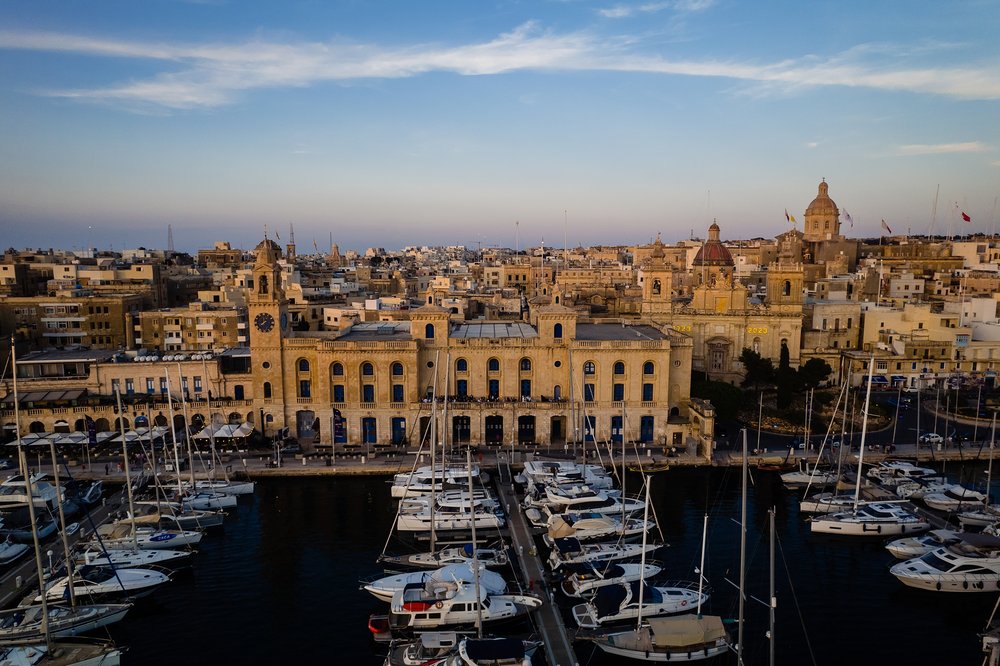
(657, 281)
(268, 314)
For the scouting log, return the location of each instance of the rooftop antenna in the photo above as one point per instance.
(993, 216)
(566, 238)
(930, 232)
(170, 238)
(517, 240)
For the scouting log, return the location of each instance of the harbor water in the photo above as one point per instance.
(279, 584)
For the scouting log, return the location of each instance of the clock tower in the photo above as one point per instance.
(268, 314)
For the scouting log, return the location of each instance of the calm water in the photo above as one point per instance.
(279, 584)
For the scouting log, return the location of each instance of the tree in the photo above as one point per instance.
(786, 378)
(759, 370)
(814, 372)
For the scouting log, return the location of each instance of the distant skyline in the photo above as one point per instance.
(433, 123)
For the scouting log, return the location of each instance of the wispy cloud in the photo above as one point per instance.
(942, 148)
(212, 75)
(812, 144)
(680, 6)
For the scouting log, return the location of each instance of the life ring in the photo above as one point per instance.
(684, 602)
(439, 604)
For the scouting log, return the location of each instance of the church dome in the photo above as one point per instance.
(267, 251)
(822, 204)
(713, 252)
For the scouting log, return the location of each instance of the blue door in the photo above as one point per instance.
(646, 429)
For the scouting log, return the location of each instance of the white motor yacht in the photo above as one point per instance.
(384, 587)
(809, 475)
(584, 579)
(208, 501)
(910, 547)
(955, 498)
(571, 551)
(565, 471)
(492, 557)
(971, 565)
(827, 503)
(589, 526)
(450, 604)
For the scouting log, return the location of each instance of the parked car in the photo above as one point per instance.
(930, 438)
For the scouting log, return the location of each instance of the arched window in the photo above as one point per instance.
(656, 287)
(429, 331)
(756, 345)
(787, 289)
(619, 368)
(367, 369)
(267, 389)
(303, 365)
(648, 368)
(589, 368)
(557, 331)
(493, 365)
(263, 284)
(461, 365)
(397, 369)
(338, 369)
(525, 364)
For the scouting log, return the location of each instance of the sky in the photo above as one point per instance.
(490, 123)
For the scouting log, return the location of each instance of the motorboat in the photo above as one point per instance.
(426, 479)
(890, 473)
(10, 551)
(564, 472)
(875, 519)
(98, 581)
(589, 526)
(384, 587)
(450, 514)
(490, 556)
(570, 551)
(221, 486)
(971, 565)
(539, 513)
(910, 547)
(984, 516)
(44, 526)
(14, 492)
(441, 604)
(84, 493)
(672, 639)
(918, 488)
(955, 498)
(62, 653)
(618, 603)
(584, 579)
(24, 623)
(126, 558)
(128, 535)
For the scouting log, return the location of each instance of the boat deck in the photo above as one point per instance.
(558, 646)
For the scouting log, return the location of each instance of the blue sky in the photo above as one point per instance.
(397, 123)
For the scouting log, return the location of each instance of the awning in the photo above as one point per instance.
(898, 378)
(880, 379)
(143, 434)
(228, 431)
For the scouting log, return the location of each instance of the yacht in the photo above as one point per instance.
(450, 515)
(890, 473)
(584, 579)
(106, 581)
(450, 604)
(875, 519)
(808, 475)
(955, 498)
(443, 647)
(589, 526)
(127, 535)
(127, 558)
(62, 653)
(565, 471)
(224, 487)
(14, 492)
(492, 557)
(617, 603)
(384, 587)
(24, 623)
(827, 503)
(571, 551)
(909, 547)
(984, 516)
(971, 565)
(427, 479)
(672, 639)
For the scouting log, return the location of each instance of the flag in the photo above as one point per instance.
(793, 219)
(787, 216)
(966, 218)
(847, 216)
(277, 235)
(886, 227)
(315, 247)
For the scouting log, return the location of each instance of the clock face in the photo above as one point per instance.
(264, 322)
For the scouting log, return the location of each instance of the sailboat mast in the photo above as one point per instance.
(774, 603)
(743, 551)
(173, 434)
(701, 564)
(434, 429)
(62, 521)
(989, 466)
(642, 561)
(128, 476)
(475, 559)
(31, 503)
(864, 430)
(187, 425)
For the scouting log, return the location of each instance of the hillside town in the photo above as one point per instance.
(543, 345)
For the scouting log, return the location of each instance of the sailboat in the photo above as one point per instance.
(877, 518)
(35, 633)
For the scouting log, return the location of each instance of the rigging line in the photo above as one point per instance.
(795, 600)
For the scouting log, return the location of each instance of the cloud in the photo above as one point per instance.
(996, 163)
(942, 148)
(204, 76)
(679, 6)
(812, 144)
